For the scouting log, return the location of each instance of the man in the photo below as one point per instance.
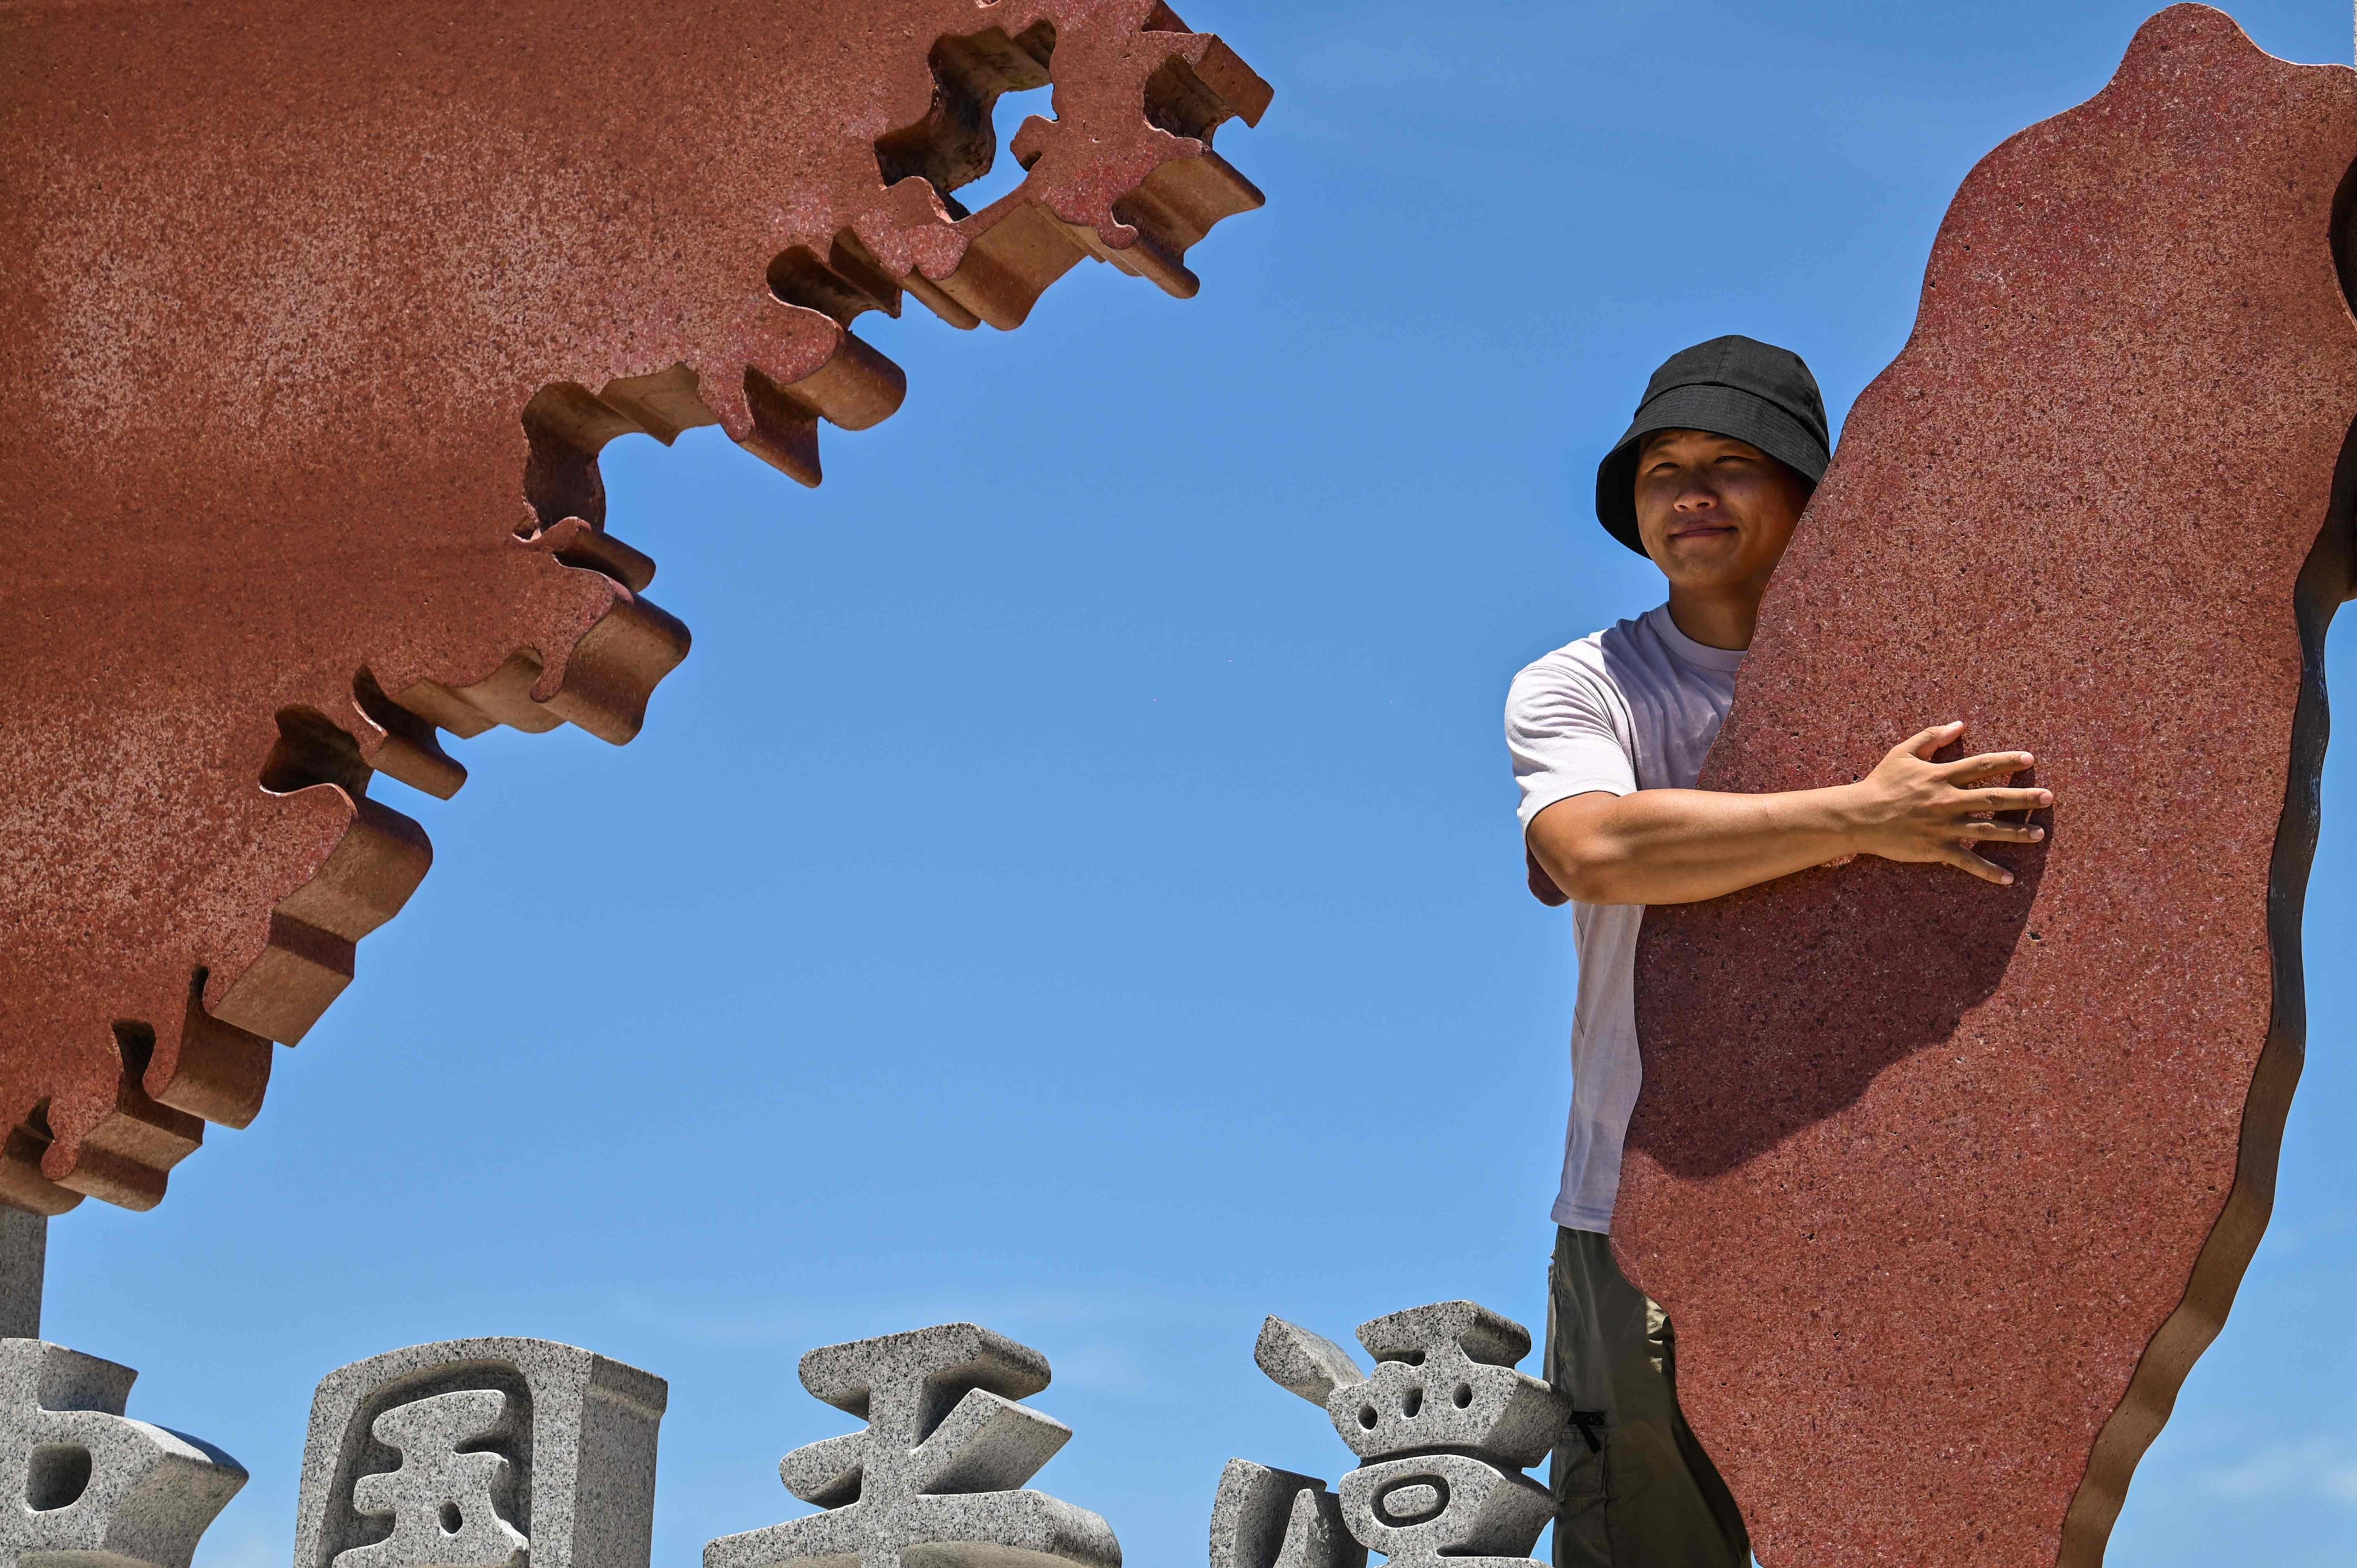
(1607, 736)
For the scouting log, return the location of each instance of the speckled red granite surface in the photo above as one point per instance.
(1944, 1185)
(318, 313)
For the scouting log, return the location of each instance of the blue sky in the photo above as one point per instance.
(1074, 883)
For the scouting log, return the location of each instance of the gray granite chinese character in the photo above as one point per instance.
(1446, 1508)
(480, 1454)
(1304, 1363)
(1446, 1423)
(1274, 1519)
(1445, 1378)
(96, 1488)
(930, 1479)
(446, 1507)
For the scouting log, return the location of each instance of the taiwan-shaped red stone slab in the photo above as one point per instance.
(1946, 1186)
(317, 315)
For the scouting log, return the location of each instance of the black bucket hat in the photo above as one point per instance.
(1737, 387)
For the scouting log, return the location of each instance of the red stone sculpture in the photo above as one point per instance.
(318, 315)
(1946, 1185)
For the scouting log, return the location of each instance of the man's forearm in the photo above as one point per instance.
(1678, 846)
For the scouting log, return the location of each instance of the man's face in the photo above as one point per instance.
(1714, 513)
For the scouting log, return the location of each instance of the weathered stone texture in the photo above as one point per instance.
(318, 315)
(1446, 1426)
(80, 1483)
(1446, 1508)
(1265, 1518)
(1445, 1378)
(559, 1467)
(932, 1478)
(443, 1507)
(1944, 1185)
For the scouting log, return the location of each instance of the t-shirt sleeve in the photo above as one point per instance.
(1561, 729)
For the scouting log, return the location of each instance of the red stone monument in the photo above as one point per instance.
(318, 315)
(1946, 1185)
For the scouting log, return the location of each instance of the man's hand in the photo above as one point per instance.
(1910, 808)
(1678, 846)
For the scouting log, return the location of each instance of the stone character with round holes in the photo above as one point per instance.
(444, 1500)
(1445, 1425)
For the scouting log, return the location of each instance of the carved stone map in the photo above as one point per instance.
(1946, 1186)
(318, 316)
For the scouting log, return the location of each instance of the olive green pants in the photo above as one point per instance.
(1632, 1487)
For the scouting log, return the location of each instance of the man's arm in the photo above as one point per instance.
(1678, 846)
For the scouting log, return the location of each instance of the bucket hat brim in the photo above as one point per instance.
(1719, 410)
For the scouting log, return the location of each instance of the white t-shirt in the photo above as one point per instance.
(1635, 707)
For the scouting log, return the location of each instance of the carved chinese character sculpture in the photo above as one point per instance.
(446, 1508)
(480, 1454)
(1265, 1517)
(82, 1482)
(1446, 1426)
(933, 1477)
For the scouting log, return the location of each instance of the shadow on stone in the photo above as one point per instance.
(1875, 961)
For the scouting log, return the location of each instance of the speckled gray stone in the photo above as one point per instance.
(1446, 1508)
(1445, 1378)
(1304, 1363)
(445, 1505)
(1276, 1519)
(1489, 1338)
(24, 1263)
(1445, 1423)
(92, 1487)
(930, 1481)
(561, 1468)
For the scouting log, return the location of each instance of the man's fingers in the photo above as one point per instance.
(1923, 743)
(1962, 859)
(1999, 833)
(1990, 765)
(2008, 800)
